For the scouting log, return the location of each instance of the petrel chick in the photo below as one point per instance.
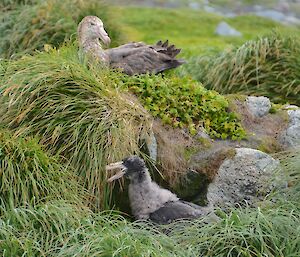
(148, 200)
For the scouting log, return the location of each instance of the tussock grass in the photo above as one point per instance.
(3, 64)
(6, 5)
(29, 176)
(27, 28)
(79, 113)
(61, 229)
(268, 66)
(290, 163)
(244, 233)
(38, 231)
(18, 2)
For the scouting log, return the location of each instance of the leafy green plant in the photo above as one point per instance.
(28, 175)
(78, 112)
(182, 102)
(27, 28)
(268, 66)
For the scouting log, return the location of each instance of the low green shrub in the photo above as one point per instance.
(27, 28)
(78, 112)
(182, 102)
(28, 175)
(268, 66)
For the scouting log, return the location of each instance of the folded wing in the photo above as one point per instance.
(139, 58)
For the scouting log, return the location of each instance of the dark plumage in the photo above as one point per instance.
(131, 58)
(148, 200)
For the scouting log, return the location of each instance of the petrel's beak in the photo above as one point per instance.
(104, 37)
(113, 166)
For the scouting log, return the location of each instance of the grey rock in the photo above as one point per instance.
(292, 20)
(209, 9)
(229, 14)
(152, 146)
(243, 180)
(291, 137)
(172, 4)
(194, 5)
(259, 106)
(258, 8)
(294, 117)
(290, 107)
(283, 6)
(223, 29)
(271, 14)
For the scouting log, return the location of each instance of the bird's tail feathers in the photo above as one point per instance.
(163, 47)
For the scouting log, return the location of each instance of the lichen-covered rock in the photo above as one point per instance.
(224, 29)
(202, 167)
(243, 180)
(291, 136)
(259, 106)
(152, 146)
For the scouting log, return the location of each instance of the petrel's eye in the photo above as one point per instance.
(93, 24)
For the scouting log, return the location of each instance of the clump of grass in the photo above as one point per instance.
(18, 2)
(61, 229)
(268, 66)
(3, 64)
(39, 230)
(253, 232)
(290, 163)
(28, 175)
(7, 5)
(27, 28)
(79, 113)
(183, 102)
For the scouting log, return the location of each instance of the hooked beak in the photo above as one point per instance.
(113, 166)
(104, 37)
